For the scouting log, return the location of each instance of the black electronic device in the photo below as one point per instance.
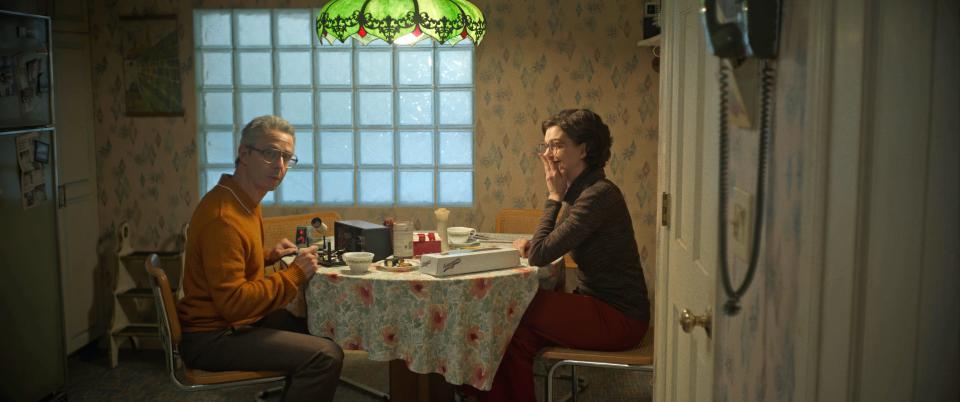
(735, 31)
(363, 236)
(651, 19)
(301, 237)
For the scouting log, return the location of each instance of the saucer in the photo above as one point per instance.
(468, 244)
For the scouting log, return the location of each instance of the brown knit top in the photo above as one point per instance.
(597, 231)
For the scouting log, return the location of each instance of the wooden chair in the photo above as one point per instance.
(192, 379)
(636, 359)
(513, 220)
(276, 228)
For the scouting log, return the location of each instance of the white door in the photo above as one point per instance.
(77, 212)
(687, 248)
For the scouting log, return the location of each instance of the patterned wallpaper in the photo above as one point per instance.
(537, 58)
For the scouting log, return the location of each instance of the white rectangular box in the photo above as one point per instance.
(458, 262)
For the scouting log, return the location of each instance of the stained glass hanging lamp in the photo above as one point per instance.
(400, 21)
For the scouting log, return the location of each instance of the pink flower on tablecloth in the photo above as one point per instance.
(479, 376)
(525, 271)
(407, 359)
(329, 329)
(418, 288)
(511, 309)
(333, 277)
(441, 366)
(365, 292)
(438, 317)
(389, 335)
(473, 335)
(479, 287)
(353, 344)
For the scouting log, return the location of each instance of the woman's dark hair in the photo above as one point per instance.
(584, 127)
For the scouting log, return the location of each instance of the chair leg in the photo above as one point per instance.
(113, 350)
(262, 396)
(365, 388)
(573, 383)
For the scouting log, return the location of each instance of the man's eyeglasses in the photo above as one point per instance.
(542, 148)
(271, 155)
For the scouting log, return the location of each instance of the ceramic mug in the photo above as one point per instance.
(459, 234)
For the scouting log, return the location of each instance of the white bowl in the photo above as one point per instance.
(359, 261)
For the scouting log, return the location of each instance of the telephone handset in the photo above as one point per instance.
(748, 29)
(736, 30)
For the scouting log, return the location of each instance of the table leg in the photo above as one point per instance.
(407, 386)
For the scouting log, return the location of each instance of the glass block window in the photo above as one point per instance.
(377, 125)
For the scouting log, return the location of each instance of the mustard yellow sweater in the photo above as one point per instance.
(224, 285)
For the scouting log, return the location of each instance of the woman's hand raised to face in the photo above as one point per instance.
(556, 183)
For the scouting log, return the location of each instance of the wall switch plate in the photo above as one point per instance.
(740, 222)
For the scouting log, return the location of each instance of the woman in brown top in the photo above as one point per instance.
(609, 310)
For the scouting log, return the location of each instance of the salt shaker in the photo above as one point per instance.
(442, 214)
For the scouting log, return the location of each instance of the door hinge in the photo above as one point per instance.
(665, 210)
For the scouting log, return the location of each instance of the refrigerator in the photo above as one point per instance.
(32, 344)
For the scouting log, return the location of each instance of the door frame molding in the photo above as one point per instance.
(832, 363)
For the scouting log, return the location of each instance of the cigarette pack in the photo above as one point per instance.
(425, 243)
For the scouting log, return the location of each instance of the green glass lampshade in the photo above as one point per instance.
(404, 21)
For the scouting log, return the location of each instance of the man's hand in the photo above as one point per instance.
(556, 183)
(307, 260)
(283, 248)
(523, 245)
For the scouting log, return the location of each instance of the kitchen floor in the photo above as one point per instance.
(141, 376)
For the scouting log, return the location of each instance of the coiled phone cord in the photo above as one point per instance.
(732, 306)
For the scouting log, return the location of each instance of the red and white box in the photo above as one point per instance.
(425, 243)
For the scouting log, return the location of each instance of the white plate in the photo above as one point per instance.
(414, 264)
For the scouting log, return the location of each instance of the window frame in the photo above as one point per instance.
(316, 128)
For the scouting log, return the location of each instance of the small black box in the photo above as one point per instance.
(363, 236)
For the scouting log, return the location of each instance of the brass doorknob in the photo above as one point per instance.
(689, 321)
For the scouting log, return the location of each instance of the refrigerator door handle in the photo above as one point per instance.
(61, 196)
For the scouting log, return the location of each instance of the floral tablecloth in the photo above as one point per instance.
(458, 327)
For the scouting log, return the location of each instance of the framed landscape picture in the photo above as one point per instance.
(151, 66)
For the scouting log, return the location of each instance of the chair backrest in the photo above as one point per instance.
(166, 308)
(276, 228)
(512, 220)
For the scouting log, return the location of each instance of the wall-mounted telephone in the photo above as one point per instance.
(737, 30)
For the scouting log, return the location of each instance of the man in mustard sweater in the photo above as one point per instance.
(233, 317)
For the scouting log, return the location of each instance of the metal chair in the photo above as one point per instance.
(636, 359)
(193, 379)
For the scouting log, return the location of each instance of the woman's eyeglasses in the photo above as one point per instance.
(271, 155)
(554, 146)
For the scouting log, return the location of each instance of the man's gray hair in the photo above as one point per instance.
(259, 126)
